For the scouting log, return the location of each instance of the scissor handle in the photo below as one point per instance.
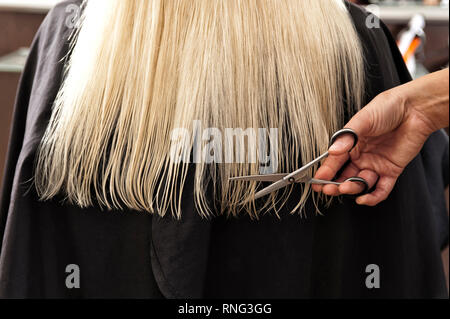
(351, 179)
(344, 132)
(361, 181)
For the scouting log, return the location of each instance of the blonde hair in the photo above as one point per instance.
(141, 68)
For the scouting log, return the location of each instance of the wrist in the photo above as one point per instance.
(427, 98)
(422, 109)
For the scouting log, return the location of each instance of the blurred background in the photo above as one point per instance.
(421, 28)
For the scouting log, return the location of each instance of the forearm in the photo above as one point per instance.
(428, 98)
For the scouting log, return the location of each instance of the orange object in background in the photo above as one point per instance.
(411, 51)
(410, 40)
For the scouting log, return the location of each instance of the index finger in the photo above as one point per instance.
(330, 167)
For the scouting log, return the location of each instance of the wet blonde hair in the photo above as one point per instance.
(141, 68)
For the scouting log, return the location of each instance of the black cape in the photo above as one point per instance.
(136, 255)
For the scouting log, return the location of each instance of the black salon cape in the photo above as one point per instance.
(126, 254)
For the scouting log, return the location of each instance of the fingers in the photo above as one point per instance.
(334, 190)
(349, 187)
(329, 169)
(353, 188)
(331, 190)
(384, 187)
(343, 144)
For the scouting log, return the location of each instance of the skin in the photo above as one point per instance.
(392, 130)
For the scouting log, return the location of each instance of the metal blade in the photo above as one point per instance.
(272, 188)
(303, 177)
(300, 174)
(260, 178)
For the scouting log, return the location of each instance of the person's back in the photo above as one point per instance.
(142, 75)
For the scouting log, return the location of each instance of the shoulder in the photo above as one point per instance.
(356, 10)
(61, 20)
(51, 42)
(384, 62)
(63, 8)
(42, 76)
(367, 24)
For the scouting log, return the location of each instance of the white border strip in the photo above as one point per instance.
(387, 13)
(405, 13)
(35, 6)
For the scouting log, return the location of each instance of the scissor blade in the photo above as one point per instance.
(272, 188)
(300, 175)
(260, 178)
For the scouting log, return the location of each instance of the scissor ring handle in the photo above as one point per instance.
(361, 181)
(343, 132)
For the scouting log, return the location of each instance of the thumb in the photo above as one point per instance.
(342, 145)
(362, 122)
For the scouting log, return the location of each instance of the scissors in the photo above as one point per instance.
(301, 175)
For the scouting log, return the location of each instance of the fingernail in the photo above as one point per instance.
(337, 146)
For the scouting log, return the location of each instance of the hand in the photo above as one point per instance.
(392, 132)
